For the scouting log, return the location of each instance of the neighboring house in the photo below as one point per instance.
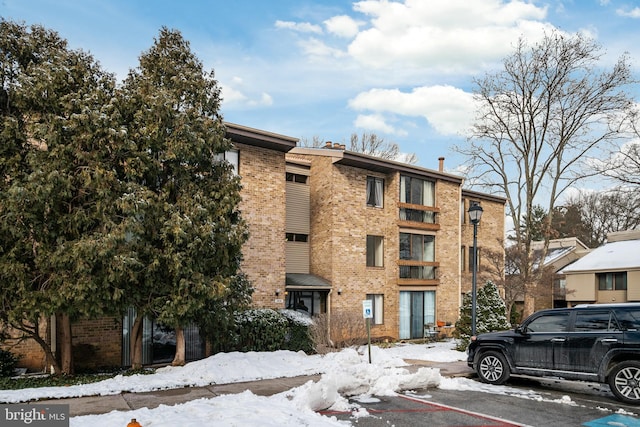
(551, 289)
(561, 253)
(330, 228)
(610, 273)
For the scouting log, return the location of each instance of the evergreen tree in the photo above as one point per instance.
(491, 314)
(181, 203)
(57, 187)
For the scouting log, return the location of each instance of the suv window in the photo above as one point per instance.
(556, 322)
(595, 321)
(629, 319)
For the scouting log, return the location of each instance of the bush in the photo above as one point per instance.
(490, 315)
(261, 330)
(8, 364)
(299, 335)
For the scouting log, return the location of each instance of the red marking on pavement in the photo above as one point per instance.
(436, 407)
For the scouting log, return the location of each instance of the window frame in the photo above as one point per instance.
(410, 186)
(232, 157)
(617, 282)
(375, 190)
(375, 251)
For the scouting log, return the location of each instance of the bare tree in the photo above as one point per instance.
(602, 213)
(372, 145)
(624, 165)
(538, 119)
(369, 144)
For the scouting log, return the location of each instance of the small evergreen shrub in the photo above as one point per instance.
(261, 330)
(299, 335)
(491, 315)
(8, 363)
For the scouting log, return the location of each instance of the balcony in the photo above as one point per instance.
(418, 272)
(419, 216)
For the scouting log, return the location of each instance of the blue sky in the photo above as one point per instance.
(329, 68)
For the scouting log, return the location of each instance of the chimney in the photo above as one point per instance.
(336, 145)
(441, 164)
(328, 144)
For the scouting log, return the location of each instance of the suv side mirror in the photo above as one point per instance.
(521, 330)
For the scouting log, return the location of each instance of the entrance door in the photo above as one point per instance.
(417, 309)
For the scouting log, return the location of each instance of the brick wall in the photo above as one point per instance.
(490, 238)
(97, 343)
(31, 355)
(263, 208)
(448, 251)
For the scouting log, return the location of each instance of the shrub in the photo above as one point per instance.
(261, 330)
(8, 363)
(490, 315)
(299, 334)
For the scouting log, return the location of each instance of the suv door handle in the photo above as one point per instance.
(558, 339)
(609, 340)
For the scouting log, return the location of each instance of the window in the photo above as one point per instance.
(231, 156)
(612, 281)
(589, 320)
(417, 309)
(463, 253)
(549, 323)
(417, 247)
(375, 191)
(296, 237)
(471, 258)
(377, 302)
(417, 191)
(296, 177)
(375, 251)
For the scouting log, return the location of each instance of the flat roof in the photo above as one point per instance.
(259, 138)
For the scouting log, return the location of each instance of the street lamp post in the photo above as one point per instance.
(475, 213)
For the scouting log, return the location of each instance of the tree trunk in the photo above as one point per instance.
(529, 300)
(66, 345)
(135, 343)
(179, 359)
(32, 330)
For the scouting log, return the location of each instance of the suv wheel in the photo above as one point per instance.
(492, 368)
(624, 381)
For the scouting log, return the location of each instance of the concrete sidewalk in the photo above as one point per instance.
(129, 401)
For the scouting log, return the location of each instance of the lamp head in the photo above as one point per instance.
(475, 213)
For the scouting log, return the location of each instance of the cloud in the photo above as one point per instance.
(343, 26)
(376, 122)
(265, 100)
(448, 110)
(633, 13)
(315, 47)
(303, 27)
(232, 96)
(443, 33)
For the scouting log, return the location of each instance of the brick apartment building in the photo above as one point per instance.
(331, 228)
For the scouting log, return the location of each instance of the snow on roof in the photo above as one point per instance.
(612, 256)
(557, 253)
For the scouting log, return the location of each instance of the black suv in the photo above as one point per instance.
(594, 342)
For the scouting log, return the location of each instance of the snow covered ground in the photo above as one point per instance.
(344, 374)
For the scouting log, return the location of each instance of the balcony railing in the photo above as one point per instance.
(418, 216)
